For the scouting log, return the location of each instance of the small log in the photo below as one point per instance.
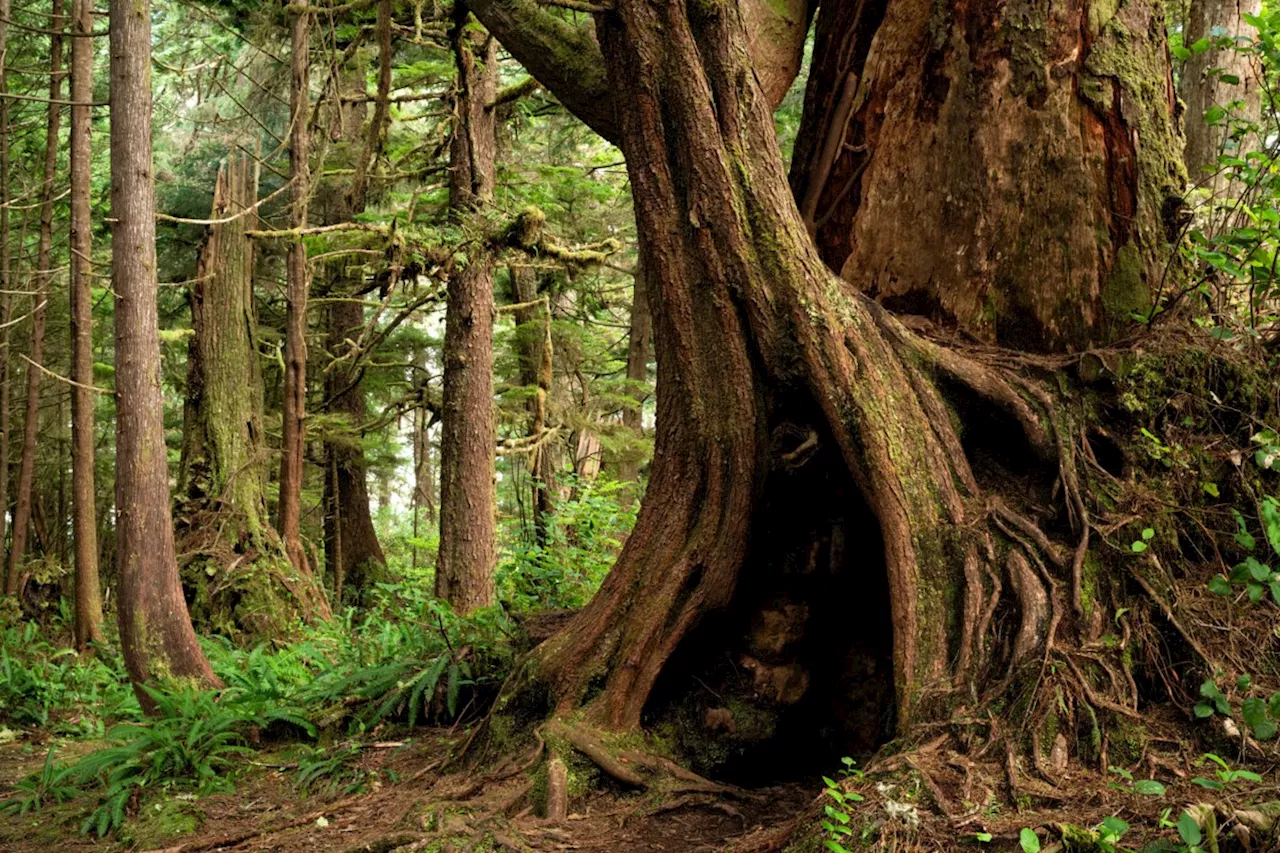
(557, 791)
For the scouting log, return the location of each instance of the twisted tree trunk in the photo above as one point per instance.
(821, 511)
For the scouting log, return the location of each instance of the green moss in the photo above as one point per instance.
(1125, 291)
(1127, 742)
(160, 822)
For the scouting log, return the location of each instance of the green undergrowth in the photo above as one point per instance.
(407, 660)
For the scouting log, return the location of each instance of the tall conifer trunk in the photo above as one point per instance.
(84, 517)
(6, 254)
(294, 406)
(464, 567)
(156, 636)
(40, 286)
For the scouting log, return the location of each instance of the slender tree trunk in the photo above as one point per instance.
(244, 579)
(155, 629)
(40, 286)
(464, 568)
(6, 280)
(638, 374)
(1202, 90)
(359, 558)
(934, 133)
(533, 342)
(84, 519)
(294, 406)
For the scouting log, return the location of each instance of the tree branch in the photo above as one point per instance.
(564, 57)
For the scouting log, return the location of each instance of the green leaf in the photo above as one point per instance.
(1114, 826)
(1243, 537)
(1179, 52)
(1138, 547)
(1229, 79)
(1148, 533)
(1257, 570)
(1270, 511)
(1243, 682)
(983, 836)
(835, 846)
(1203, 710)
(1218, 585)
(1149, 788)
(1188, 829)
(1210, 489)
(1200, 45)
(1254, 711)
(1208, 784)
(1029, 841)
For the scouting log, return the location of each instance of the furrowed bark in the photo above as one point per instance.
(156, 636)
(776, 377)
(294, 406)
(1017, 114)
(84, 517)
(40, 286)
(464, 567)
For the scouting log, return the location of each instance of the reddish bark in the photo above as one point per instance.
(84, 517)
(294, 405)
(156, 636)
(464, 567)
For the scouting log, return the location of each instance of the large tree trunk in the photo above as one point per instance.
(156, 636)
(812, 515)
(293, 433)
(234, 558)
(40, 287)
(464, 567)
(84, 516)
(1003, 167)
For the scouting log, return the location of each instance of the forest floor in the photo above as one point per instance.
(395, 797)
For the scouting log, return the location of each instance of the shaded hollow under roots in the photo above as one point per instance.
(798, 672)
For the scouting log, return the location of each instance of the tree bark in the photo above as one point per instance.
(156, 636)
(464, 568)
(40, 286)
(294, 406)
(795, 415)
(245, 581)
(84, 516)
(1002, 167)
(6, 279)
(1201, 90)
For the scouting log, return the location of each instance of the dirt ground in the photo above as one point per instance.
(405, 803)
